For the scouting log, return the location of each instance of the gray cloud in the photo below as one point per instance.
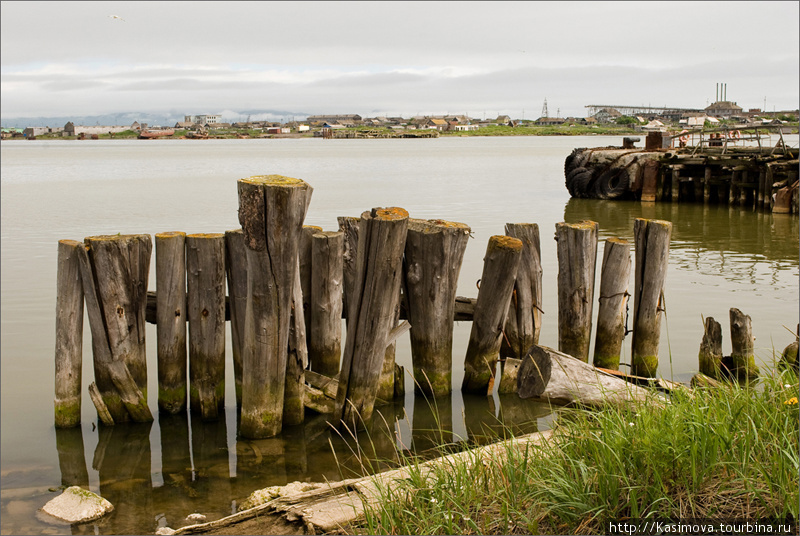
(72, 58)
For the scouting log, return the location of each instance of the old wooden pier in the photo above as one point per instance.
(290, 286)
(748, 167)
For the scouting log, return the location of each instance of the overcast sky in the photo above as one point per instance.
(393, 58)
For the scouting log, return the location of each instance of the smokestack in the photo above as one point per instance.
(725, 98)
(716, 95)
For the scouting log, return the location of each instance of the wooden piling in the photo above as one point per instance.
(491, 309)
(577, 257)
(613, 303)
(433, 255)
(707, 175)
(651, 239)
(524, 320)
(205, 266)
(114, 272)
(743, 359)
(349, 226)
(171, 320)
(132, 398)
(710, 355)
(382, 238)
(306, 262)
(676, 184)
(386, 381)
(69, 335)
(271, 212)
(296, 359)
(325, 333)
(236, 272)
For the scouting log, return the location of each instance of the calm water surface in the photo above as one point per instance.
(158, 474)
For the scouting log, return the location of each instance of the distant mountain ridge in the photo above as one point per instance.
(152, 119)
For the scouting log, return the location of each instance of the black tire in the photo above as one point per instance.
(579, 181)
(577, 158)
(612, 183)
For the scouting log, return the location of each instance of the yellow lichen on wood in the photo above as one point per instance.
(505, 242)
(273, 180)
(170, 234)
(391, 213)
(206, 235)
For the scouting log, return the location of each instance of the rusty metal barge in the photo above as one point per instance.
(749, 167)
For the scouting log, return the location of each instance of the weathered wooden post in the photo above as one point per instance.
(114, 271)
(577, 257)
(433, 255)
(710, 355)
(676, 183)
(305, 260)
(491, 309)
(382, 238)
(349, 226)
(296, 359)
(524, 321)
(613, 303)
(171, 320)
(69, 335)
(651, 239)
(236, 272)
(650, 173)
(132, 397)
(733, 192)
(325, 334)
(762, 188)
(205, 265)
(743, 360)
(271, 212)
(707, 175)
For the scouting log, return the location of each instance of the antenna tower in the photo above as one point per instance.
(544, 108)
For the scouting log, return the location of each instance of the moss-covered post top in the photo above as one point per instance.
(386, 214)
(504, 242)
(437, 226)
(274, 180)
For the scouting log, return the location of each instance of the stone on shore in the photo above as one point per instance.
(77, 505)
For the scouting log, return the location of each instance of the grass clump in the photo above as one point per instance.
(726, 453)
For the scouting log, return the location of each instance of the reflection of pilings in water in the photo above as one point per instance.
(521, 416)
(71, 459)
(177, 496)
(710, 228)
(122, 460)
(479, 419)
(432, 424)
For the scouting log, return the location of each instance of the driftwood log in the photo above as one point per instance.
(336, 507)
(382, 237)
(524, 321)
(577, 255)
(114, 272)
(205, 266)
(652, 251)
(491, 309)
(271, 212)
(69, 335)
(171, 320)
(613, 303)
(558, 378)
(433, 255)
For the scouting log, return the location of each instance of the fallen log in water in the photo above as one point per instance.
(335, 507)
(550, 375)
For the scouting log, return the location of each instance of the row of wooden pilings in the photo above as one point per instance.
(289, 286)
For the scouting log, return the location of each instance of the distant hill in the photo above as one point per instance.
(152, 119)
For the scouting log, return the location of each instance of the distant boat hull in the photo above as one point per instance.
(150, 134)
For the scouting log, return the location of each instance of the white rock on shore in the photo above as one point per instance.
(77, 505)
